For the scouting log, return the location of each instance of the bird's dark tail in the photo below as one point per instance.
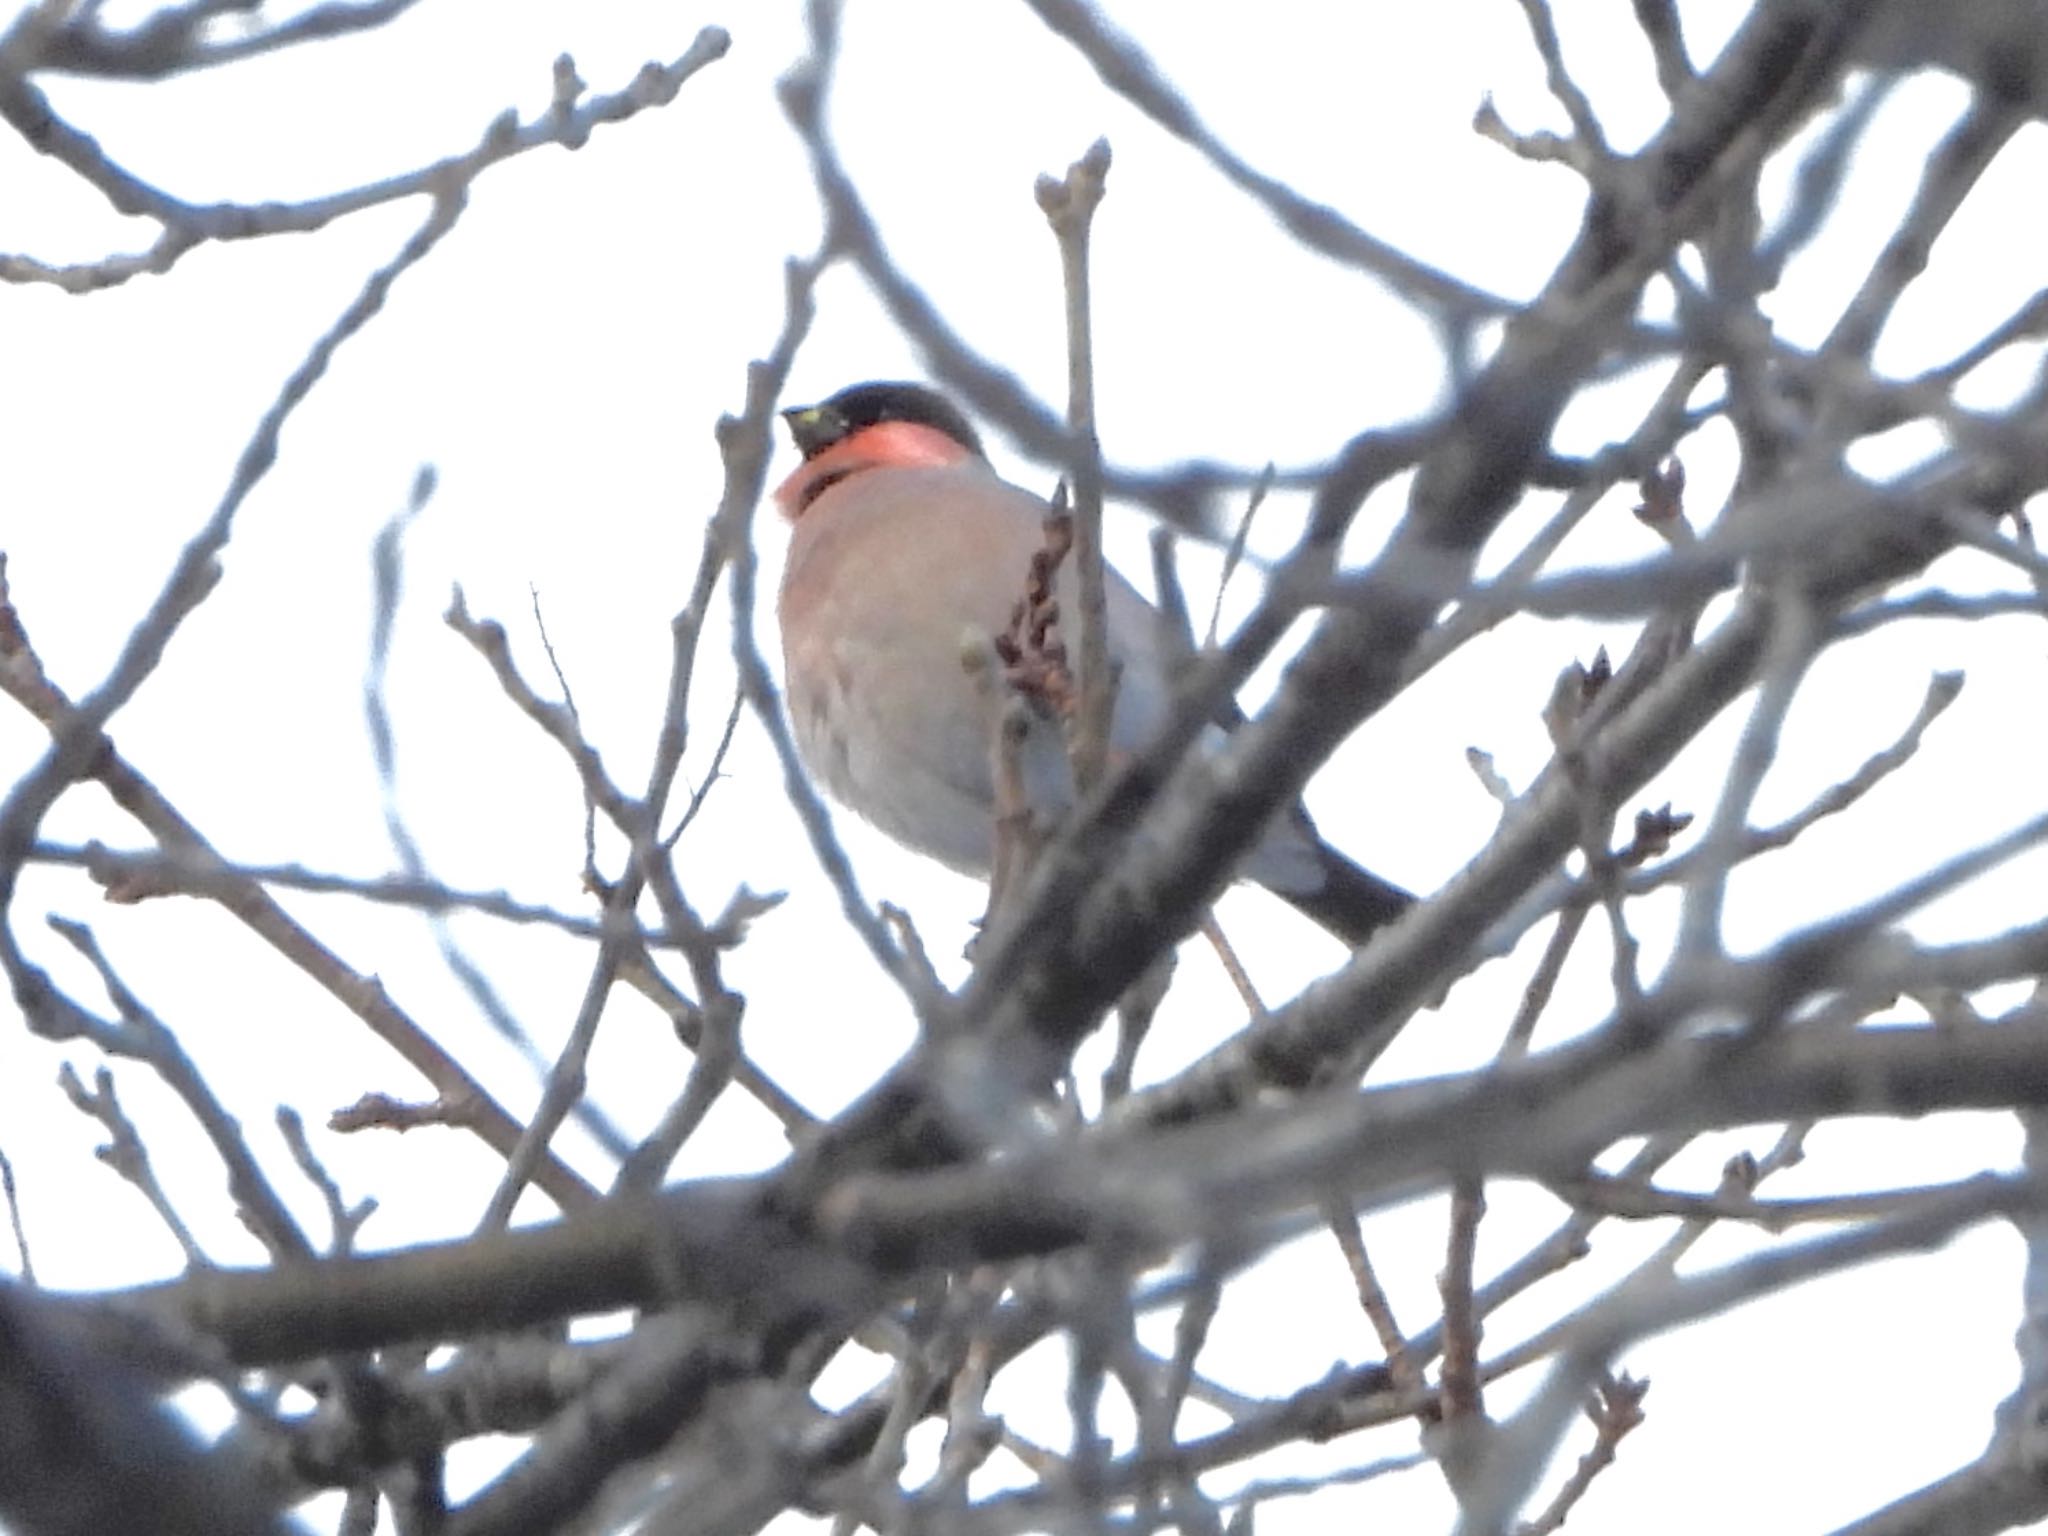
(1352, 901)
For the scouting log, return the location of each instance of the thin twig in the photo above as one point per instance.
(125, 1153)
(186, 225)
(27, 1271)
(1616, 1409)
(1402, 1365)
(1069, 206)
(1460, 1374)
(1233, 553)
(1233, 966)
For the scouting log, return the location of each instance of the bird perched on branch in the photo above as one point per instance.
(905, 546)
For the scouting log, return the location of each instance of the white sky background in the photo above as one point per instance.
(560, 361)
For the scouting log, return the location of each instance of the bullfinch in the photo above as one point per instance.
(904, 546)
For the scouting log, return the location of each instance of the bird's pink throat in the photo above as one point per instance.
(898, 444)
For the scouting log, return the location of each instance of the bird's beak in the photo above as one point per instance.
(814, 427)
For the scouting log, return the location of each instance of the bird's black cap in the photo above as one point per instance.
(818, 427)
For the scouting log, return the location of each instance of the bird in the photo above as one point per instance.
(906, 544)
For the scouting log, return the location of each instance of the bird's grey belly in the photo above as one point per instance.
(918, 762)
